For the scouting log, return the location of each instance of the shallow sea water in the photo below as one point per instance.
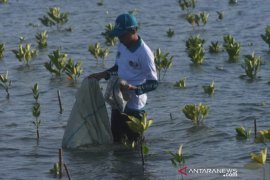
(236, 102)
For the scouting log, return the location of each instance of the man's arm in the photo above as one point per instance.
(110, 71)
(105, 74)
(149, 85)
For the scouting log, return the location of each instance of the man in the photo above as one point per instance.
(135, 64)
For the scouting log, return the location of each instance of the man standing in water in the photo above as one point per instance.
(135, 64)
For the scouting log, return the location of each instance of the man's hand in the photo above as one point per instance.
(126, 86)
(131, 87)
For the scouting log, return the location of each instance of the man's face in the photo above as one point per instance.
(125, 38)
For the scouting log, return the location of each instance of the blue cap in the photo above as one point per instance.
(123, 23)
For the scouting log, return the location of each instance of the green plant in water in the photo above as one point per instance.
(36, 109)
(41, 38)
(25, 53)
(2, 50)
(260, 160)
(140, 126)
(215, 47)
(196, 54)
(181, 83)
(210, 89)
(56, 169)
(261, 157)
(3, 1)
(72, 70)
(22, 39)
(193, 19)
(242, 132)
(232, 2)
(177, 159)
(220, 15)
(204, 17)
(196, 19)
(5, 82)
(195, 113)
(103, 54)
(251, 65)
(100, 3)
(232, 47)
(187, 4)
(163, 62)
(35, 91)
(194, 41)
(266, 36)
(170, 32)
(57, 63)
(98, 52)
(195, 49)
(263, 136)
(54, 17)
(110, 41)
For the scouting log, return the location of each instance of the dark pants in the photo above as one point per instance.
(119, 126)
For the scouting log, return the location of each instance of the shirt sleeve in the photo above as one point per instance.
(148, 64)
(149, 69)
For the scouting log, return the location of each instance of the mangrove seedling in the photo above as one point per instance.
(35, 92)
(251, 65)
(261, 157)
(36, 114)
(57, 63)
(220, 14)
(241, 132)
(95, 50)
(140, 126)
(232, 47)
(215, 47)
(72, 70)
(181, 83)
(41, 38)
(196, 113)
(232, 2)
(196, 54)
(170, 33)
(266, 36)
(25, 53)
(187, 4)
(2, 50)
(22, 39)
(5, 82)
(194, 41)
(193, 19)
(263, 136)
(3, 1)
(133, 12)
(103, 54)
(100, 3)
(177, 159)
(163, 62)
(98, 52)
(204, 17)
(195, 50)
(54, 17)
(55, 170)
(110, 41)
(210, 89)
(36, 109)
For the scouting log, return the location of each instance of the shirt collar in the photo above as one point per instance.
(137, 45)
